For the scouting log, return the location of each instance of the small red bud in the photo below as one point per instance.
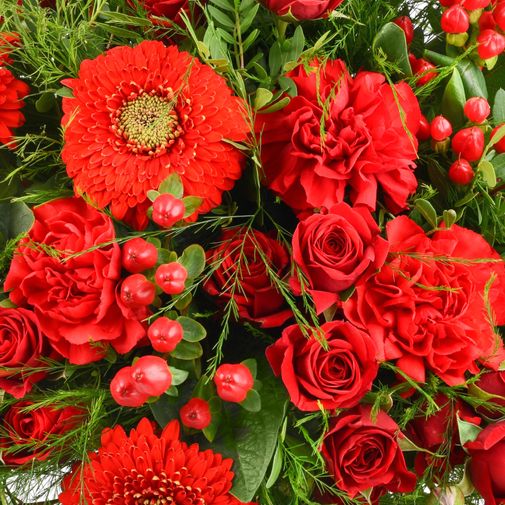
(491, 44)
(461, 172)
(469, 143)
(196, 414)
(440, 128)
(477, 109)
(455, 20)
(170, 277)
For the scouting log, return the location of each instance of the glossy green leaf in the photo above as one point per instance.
(391, 41)
(252, 403)
(276, 467)
(193, 260)
(193, 330)
(262, 97)
(172, 185)
(453, 100)
(468, 432)
(499, 106)
(252, 365)
(15, 218)
(220, 17)
(499, 166)
(486, 168)
(427, 211)
(191, 205)
(187, 350)
(178, 375)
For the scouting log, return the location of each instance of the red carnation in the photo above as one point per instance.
(240, 273)
(302, 9)
(427, 307)
(146, 468)
(341, 135)
(12, 92)
(68, 271)
(141, 113)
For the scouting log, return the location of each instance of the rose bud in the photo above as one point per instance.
(405, 23)
(440, 128)
(477, 109)
(138, 255)
(151, 375)
(469, 143)
(455, 20)
(167, 210)
(461, 172)
(233, 382)
(165, 334)
(124, 391)
(196, 414)
(491, 44)
(170, 277)
(137, 290)
(487, 454)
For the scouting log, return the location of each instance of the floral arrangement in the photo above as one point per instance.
(251, 253)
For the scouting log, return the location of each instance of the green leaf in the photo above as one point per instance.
(252, 365)
(499, 106)
(468, 432)
(193, 259)
(215, 405)
(64, 92)
(172, 185)
(499, 166)
(120, 32)
(152, 194)
(247, 20)
(262, 97)
(178, 375)
(276, 467)
(454, 99)
(250, 39)
(15, 218)
(250, 438)
(427, 211)
(220, 17)
(252, 402)
(191, 204)
(224, 4)
(450, 217)
(193, 330)
(7, 304)
(280, 104)
(124, 19)
(391, 40)
(187, 350)
(45, 102)
(500, 133)
(486, 168)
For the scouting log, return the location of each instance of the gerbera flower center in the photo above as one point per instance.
(148, 122)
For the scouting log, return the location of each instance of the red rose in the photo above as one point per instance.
(74, 297)
(426, 308)
(241, 274)
(334, 250)
(368, 142)
(302, 9)
(361, 453)
(487, 457)
(493, 383)
(336, 377)
(438, 433)
(21, 346)
(33, 428)
(169, 9)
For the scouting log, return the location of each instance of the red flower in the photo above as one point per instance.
(146, 468)
(25, 433)
(362, 453)
(7, 42)
(427, 306)
(12, 91)
(141, 113)
(336, 377)
(302, 9)
(336, 249)
(76, 299)
(240, 261)
(169, 9)
(21, 346)
(338, 135)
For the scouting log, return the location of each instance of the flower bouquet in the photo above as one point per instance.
(252, 252)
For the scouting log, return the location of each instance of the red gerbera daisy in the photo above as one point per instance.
(146, 468)
(12, 91)
(139, 114)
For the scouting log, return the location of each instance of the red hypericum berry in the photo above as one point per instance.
(196, 414)
(405, 23)
(500, 145)
(171, 277)
(487, 21)
(469, 143)
(137, 290)
(151, 375)
(491, 44)
(455, 20)
(424, 131)
(473, 5)
(233, 382)
(461, 172)
(477, 109)
(423, 69)
(499, 15)
(440, 128)
(124, 391)
(138, 255)
(167, 210)
(165, 334)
